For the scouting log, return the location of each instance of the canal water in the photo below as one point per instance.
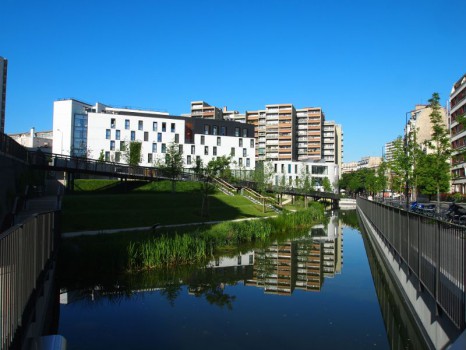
(316, 291)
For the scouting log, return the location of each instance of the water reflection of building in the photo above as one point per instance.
(302, 263)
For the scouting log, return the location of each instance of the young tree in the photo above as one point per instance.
(326, 184)
(132, 152)
(439, 145)
(173, 165)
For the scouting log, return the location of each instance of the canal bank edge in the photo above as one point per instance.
(437, 334)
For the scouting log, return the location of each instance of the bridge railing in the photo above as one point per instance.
(433, 250)
(25, 253)
(12, 148)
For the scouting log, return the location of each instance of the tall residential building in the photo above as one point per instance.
(85, 130)
(458, 134)
(284, 133)
(389, 148)
(3, 76)
(333, 143)
(201, 109)
(420, 121)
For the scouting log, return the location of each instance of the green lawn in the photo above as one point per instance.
(100, 204)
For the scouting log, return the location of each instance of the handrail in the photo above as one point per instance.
(26, 251)
(432, 249)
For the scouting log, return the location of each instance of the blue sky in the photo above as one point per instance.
(365, 62)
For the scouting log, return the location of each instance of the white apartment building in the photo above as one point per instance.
(81, 129)
(332, 140)
(458, 135)
(293, 173)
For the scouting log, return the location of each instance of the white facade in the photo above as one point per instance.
(293, 173)
(35, 140)
(86, 130)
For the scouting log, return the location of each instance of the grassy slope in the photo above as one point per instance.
(98, 205)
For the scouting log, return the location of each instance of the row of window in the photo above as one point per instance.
(316, 169)
(133, 136)
(215, 130)
(141, 125)
(219, 141)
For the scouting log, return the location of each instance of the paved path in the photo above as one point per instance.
(154, 227)
(37, 205)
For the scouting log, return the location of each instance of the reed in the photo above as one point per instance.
(200, 245)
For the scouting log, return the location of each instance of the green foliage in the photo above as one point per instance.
(433, 177)
(173, 165)
(200, 245)
(132, 153)
(326, 184)
(101, 156)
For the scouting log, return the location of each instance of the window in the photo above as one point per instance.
(193, 149)
(252, 143)
(107, 156)
(146, 136)
(149, 158)
(154, 147)
(188, 160)
(117, 134)
(223, 130)
(289, 168)
(154, 126)
(251, 259)
(140, 125)
(133, 135)
(164, 126)
(113, 123)
(122, 146)
(240, 161)
(307, 169)
(244, 152)
(117, 157)
(241, 142)
(245, 132)
(164, 148)
(206, 129)
(159, 137)
(239, 259)
(232, 152)
(172, 127)
(214, 151)
(177, 138)
(127, 124)
(198, 159)
(219, 141)
(206, 150)
(275, 168)
(283, 168)
(296, 168)
(112, 145)
(180, 149)
(202, 140)
(107, 134)
(214, 130)
(248, 162)
(237, 132)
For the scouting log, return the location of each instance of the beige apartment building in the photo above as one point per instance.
(284, 133)
(201, 109)
(458, 135)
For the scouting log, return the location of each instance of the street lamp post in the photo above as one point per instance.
(413, 112)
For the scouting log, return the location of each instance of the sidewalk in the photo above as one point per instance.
(153, 227)
(37, 205)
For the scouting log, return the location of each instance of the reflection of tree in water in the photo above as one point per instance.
(214, 294)
(171, 292)
(350, 218)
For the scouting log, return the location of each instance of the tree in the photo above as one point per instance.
(101, 156)
(440, 146)
(262, 175)
(431, 178)
(381, 176)
(204, 174)
(132, 152)
(326, 184)
(173, 165)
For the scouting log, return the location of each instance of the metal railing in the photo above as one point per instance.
(25, 254)
(12, 148)
(433, 250)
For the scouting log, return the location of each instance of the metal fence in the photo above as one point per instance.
(12, 148)
(25, 253)
(433, 250)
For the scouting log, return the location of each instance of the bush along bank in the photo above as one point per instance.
(200, 245)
